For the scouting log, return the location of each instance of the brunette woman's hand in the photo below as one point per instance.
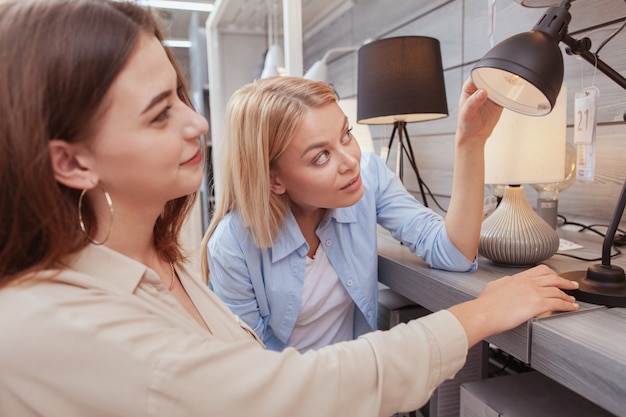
(511, 300)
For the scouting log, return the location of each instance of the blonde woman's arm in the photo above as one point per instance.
(476, 120)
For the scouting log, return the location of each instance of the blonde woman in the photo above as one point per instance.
(291, 247)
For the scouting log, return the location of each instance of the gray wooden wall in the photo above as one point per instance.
(462, 29)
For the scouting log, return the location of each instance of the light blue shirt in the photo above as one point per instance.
(264, 286)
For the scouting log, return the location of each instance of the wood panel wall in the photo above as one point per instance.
(462, 29)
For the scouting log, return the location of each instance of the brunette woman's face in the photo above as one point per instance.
(146, 149)
(320, 167)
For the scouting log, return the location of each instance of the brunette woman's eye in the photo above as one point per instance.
(164, 115)
(321, 158)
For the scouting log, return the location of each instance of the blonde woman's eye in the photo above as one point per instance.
(347, 136)
(322, 158)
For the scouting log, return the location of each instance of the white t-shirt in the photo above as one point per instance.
(327, 312)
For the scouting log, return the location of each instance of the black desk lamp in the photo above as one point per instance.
(400, 81)
(603, 283)
(524, 73)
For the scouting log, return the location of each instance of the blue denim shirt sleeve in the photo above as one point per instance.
(409, 221)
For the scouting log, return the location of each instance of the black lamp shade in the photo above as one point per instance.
(400, 79)
(523, 73)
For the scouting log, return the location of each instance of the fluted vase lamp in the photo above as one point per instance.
(523, 150)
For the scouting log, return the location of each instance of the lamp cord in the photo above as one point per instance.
(591, 228)
(611, 36)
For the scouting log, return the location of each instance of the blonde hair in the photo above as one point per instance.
(261, 120)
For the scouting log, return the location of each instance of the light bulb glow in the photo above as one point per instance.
(513, 79)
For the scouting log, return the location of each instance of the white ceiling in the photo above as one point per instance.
(251, 16)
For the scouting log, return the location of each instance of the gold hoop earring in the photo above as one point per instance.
(80, 216)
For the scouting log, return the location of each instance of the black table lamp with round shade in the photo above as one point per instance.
(400, 81)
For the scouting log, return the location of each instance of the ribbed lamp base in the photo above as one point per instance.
(514, 235)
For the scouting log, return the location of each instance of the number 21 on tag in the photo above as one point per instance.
(585, 111)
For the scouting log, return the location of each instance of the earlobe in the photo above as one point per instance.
(66, 166)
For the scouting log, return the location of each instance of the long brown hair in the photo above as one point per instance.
(58, 58)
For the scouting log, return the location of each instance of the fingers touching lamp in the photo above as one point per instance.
(523, 150)
(400, 81)
(523, 73)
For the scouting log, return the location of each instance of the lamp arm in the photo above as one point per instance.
(581, 47)
(610, 233)
(339, 49)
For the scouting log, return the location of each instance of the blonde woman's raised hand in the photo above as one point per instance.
(477, 114)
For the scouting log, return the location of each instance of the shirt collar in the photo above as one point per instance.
(111, 269)
(291, 239)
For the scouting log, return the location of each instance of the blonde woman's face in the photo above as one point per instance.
(320, 167)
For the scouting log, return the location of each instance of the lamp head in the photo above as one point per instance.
(524, 73)
(274, 61)
(317, 72)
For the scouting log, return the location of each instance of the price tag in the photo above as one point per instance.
(585, 163)
(585, 111)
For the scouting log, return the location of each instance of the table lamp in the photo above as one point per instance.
(523, 150)
(400, 81)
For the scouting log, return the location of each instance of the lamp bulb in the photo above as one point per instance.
(513, 79)
(548, 193)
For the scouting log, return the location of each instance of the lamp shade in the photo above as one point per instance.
(527, 150)
(524, 73)
(274, 61)
(400, 79)
(317, 72)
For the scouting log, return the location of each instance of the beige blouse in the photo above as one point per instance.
(103, 337)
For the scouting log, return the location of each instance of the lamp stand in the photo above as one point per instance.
(404, 147)
(514, 235)
(548, 210)
(603, 283)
